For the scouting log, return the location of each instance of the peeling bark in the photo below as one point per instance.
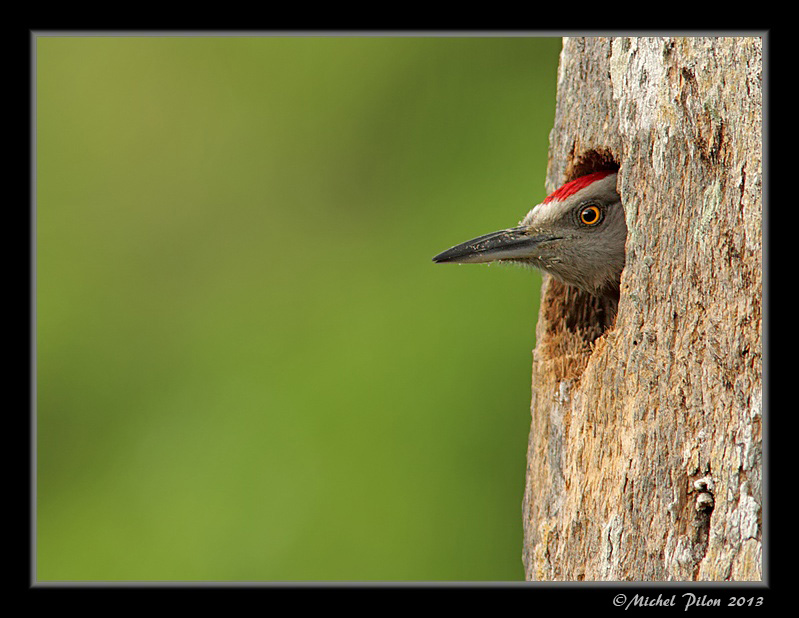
(645, 459)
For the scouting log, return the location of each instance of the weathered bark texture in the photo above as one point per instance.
(645, 459)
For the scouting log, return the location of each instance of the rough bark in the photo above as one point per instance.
(644, 458)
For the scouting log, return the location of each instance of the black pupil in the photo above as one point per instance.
(589, 215)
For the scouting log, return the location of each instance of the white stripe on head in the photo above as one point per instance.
(599, 183)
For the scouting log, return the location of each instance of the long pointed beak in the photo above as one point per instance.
(511, 244)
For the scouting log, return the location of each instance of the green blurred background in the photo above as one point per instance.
(248, 366)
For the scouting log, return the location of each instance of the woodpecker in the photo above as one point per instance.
(576, 234)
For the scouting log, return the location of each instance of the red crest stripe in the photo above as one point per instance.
(570, 188)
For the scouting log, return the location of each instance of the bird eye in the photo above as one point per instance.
(590, 215)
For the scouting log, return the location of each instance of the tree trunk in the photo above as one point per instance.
(644, 459)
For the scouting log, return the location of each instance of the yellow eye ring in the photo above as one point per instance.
(590, 215)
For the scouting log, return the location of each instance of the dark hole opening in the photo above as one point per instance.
(590, 162)
(567, 309)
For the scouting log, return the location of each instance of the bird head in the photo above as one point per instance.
(576, 234)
